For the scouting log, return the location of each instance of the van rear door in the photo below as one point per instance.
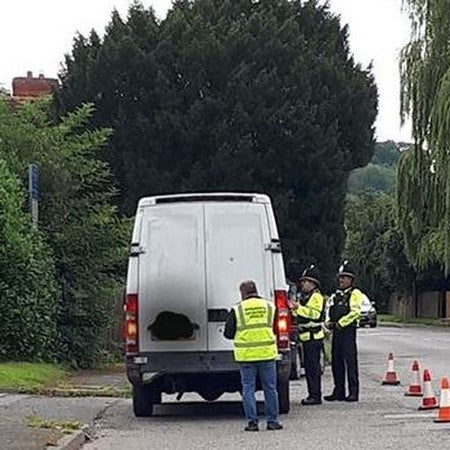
(172, 276)
(236, 235)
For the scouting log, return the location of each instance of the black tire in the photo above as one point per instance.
(283, 397)
(295, 364)
(211, 396)
(143, 400)
(373, 324)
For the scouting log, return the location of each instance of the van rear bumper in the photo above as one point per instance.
(151, 365)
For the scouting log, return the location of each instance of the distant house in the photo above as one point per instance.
(29, 87)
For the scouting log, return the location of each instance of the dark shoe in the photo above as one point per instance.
(252, 426)
(311, 401)
(351, 398)
(333, 398)
(272, 426)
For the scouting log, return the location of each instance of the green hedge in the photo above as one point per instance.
(28, 292)
(58, 285)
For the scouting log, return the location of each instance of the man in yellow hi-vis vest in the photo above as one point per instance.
(310, 316)
(343, 319)
(250, 324)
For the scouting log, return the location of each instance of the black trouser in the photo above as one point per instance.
(345, 356)
(311, 355)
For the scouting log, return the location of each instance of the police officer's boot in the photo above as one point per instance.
(273, 426)
(334, 397)
(311, 401)
(353, 397)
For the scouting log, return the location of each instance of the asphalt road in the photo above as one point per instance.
(383, 419)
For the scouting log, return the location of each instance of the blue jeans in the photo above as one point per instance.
(267, 371)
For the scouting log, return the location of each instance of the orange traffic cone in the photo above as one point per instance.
(444, 407)
(391, 375)
(429, 400)
(415, 388)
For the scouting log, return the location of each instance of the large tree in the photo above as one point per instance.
(233, 95)
(375, 245)
(380, 175)
(424, 172)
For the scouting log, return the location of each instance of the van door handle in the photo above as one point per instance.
(136, 249)
(273, 246)
(217, 315)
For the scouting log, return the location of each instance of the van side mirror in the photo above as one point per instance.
(373, 303)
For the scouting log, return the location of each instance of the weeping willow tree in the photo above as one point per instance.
(424, 171)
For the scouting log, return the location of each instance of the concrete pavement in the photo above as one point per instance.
(15, 409)
(383, 419)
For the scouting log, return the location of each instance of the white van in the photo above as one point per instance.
(189, 253)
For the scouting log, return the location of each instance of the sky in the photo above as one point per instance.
(35, 35)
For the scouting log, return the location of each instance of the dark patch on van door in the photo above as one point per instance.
(170, 326)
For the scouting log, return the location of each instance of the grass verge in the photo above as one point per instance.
(64, 426)
(51, 380)
(30, 376)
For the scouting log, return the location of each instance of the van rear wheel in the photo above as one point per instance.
(283, 397)
(211, 395)
(295, 364)
(143, 399)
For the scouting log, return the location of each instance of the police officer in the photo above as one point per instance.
(250, 324)
(310, 316)
(344, 313)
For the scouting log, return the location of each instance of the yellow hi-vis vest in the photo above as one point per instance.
(254, 339)
(309, 318)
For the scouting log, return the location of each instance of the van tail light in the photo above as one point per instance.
(131, 328)
(283, 321)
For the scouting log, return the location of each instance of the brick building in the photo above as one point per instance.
(29, 87)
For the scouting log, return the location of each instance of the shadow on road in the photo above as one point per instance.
(199, 410)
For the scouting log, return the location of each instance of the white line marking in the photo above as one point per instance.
(407, 416)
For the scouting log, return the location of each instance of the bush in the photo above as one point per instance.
(58, 286)
(28, 293)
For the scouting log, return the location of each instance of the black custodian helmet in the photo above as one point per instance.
(312, 274)
(346, 269)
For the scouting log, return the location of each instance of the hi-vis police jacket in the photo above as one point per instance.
(345, 307)
(310, 315)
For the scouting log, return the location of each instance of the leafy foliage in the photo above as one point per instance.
(28, 290)
(232, 95)
(424, 172)
(386, 154)
(372, 177)
(380, 174)
(374, 245)
(86, 236)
